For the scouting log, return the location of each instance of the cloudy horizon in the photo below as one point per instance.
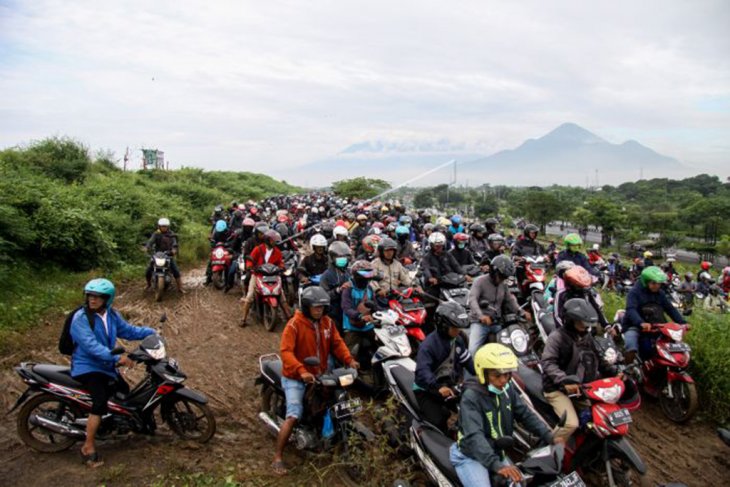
(266, 86)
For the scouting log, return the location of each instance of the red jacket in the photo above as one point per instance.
(299, 341)
(258, 255)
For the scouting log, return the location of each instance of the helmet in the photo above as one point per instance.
(221, 226)
(450, 314)
(652, 274)
(374, 231)
(494, 356)
(491, 222)
(443, 221)
(578, 277)
(477, 228)
(596, 247)
(385, 209)
(315, 210)
(272, 236)
(163, 222)
(370, 243)
(402, 230)
(437, 238)
(218, 209)
(248, 222)
(495, 237)
(314, 296)
(282, 229)
(428, 227)
(392, 227)
(282, 218)
(261, 227)
(101, 287)
(461, 237)
(503, 265)
(387, 244)
(363, 268)
(234, 204)
(456, 219)
(339, 249)
(578, 309)
(318, 240)
(529, 229)
(340, 231)
(361, 217)
(688, 275)
(350, 216)
(648, 254)
(563, 266)
(572, 239)
(405, 220)
(705, 265)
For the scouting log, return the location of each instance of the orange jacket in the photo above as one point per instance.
(299, 341)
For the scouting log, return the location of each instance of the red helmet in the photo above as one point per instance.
(378, 225)
(370, 243)
(248, 222)
(461, 237)
(705, 265)
(253, 210)
(282, 218)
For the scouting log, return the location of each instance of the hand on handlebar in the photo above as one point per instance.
(646, 327)
(446, 392)
(125, 361)
(308, 378)
(572, 389)
(433, 281)
(511, 472)
(485, 320)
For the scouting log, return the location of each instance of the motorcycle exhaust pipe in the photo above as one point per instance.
(270, 424)
(56, 427)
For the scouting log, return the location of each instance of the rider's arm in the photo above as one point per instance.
(464, 357)
(150, 246)
(475, 311)
(528, 418)
(473, 442)
(347, 308)
(425, 365)
(83, 336)
(287, 347)
(550, 359)
(127, 331)
(632, 316)
(403, 276)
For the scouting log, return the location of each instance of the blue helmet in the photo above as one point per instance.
(405, 220)
(402, 230)
(221, 226)
(101, 287)
(456, 219)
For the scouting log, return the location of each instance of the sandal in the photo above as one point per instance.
(279, 468)
(92, 460)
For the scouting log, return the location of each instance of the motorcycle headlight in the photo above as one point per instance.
(219, 253)
(242, 266)
(157, 353)
(287, 272)
(609, 395)
(159, 262)
(519, 340)
(610, 356)
(676, 335)
(347, 380)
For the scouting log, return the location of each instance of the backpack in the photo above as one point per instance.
(65, 343)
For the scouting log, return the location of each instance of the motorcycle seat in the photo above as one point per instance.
(404, 379)
(272, 369)
(533, 383)
(438, 446)
(59, 374)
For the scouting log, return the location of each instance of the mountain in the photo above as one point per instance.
(569, 154)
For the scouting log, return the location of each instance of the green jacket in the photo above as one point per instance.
(485, 416)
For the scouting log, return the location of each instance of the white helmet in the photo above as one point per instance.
(315, 210)
(163, 222)
(318, 240)
(437, 238)
(339, 230)
(596, 246)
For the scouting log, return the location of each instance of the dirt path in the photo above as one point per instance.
(220, 359)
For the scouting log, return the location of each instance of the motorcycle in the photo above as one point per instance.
(313, 281)
(291, 284)
(242, 273)
(329, 411)
(161, 275)
(540, 466)
(220, 261)
(514, 336)
(454, 288)
(55, 407)
(411, 314)
(268, 295)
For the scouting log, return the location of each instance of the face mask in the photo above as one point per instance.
(494, 390)
(341, 261)
(461, 245)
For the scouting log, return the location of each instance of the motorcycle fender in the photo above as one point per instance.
(416, 332)
(272, 301)
(217, 268)
(673, 376)
(621, 447)
(190, 394)
(23, 397)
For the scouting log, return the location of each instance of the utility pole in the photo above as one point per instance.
(126, 158)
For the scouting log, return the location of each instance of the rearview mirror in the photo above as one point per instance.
(312, 361)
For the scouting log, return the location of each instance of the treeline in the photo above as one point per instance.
(693, 212)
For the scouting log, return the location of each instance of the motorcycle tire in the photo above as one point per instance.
(271, 402)
(183, 417)
(218, 280)
(56, 441)
(269, 317)
(621, 474)
(159, 288)
(683, 406)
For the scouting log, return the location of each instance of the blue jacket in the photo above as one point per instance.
(93, 347)
(577, 258)
(432, 353)
(351, 298)
(640, 296)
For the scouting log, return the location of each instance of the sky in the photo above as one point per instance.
(264, 86)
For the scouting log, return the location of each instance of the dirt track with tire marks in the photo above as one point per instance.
(220, 359)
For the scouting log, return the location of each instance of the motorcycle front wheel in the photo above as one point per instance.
(53, 408)
(683, 404)
(270, 316)
(189, 420)
(622, 474)
(218, 280)
(160, 288)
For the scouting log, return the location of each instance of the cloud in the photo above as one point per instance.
(259, 85)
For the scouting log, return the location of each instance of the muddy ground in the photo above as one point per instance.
(220, 359)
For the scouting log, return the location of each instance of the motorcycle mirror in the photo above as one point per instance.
(504, 442)
(312, 361)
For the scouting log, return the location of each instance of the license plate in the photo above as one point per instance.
(571, 480)
(218, 262)
(457, 292)
(347, 408)
(678, 347)
(620, 417)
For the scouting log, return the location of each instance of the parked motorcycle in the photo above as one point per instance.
(220, 261)
(161, 274)
(268, 295)
(55, 407)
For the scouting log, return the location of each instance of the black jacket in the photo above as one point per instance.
(434, 350)
(439, 265)
(566, 353)
(528, 248)
(162, 242)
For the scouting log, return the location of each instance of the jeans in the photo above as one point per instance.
(631, 339)
(294, 394)
(478, 334)
(470, 472)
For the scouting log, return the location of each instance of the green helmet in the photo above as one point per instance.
(652, 274)
(572, 239)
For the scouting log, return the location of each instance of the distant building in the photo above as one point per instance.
(153, 159)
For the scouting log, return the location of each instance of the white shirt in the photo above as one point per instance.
(103, 319)
(267, 256)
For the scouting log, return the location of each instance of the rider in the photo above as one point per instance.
(528, 246)
(221, 234)
(571, 351)
(489, 406)
(456, 226)
(315, 264)
(392, 273)
(648, 258)
(478, 243)
(496, 246)
(492, 226)
(573, 244)
(437, 263)
(336, 278)
(266, 253)
(370, 247)
(439, 363)
(309, 333)
(461, 253)
(341, 234)
(489, 296)
(164, 240)
(594, 255)
(406, 254)
(646, 292)
(358, 305)
(92, 362)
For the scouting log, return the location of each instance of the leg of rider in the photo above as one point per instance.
(176, 274)
(470, 471)
(631, 344)
(478, 334)
(100, 388)
(294, 394)
(432, 407)
(248, 299)
(148, 275)
(562, 404)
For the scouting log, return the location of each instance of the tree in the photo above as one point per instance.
(362, 188)
(605, 214)
(423, 199)
(541, 207)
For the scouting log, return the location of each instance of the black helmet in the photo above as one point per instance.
(530, 228)
(314, 296)
(495, 237)
(491, 222)
(339, 249)
(477, 228)
(502, 265)
(219, 209)
(578, 309)
(386, 244)
(451, 314)
(282, 229)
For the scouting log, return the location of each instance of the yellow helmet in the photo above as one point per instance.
(648, 254)
(494, 356)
